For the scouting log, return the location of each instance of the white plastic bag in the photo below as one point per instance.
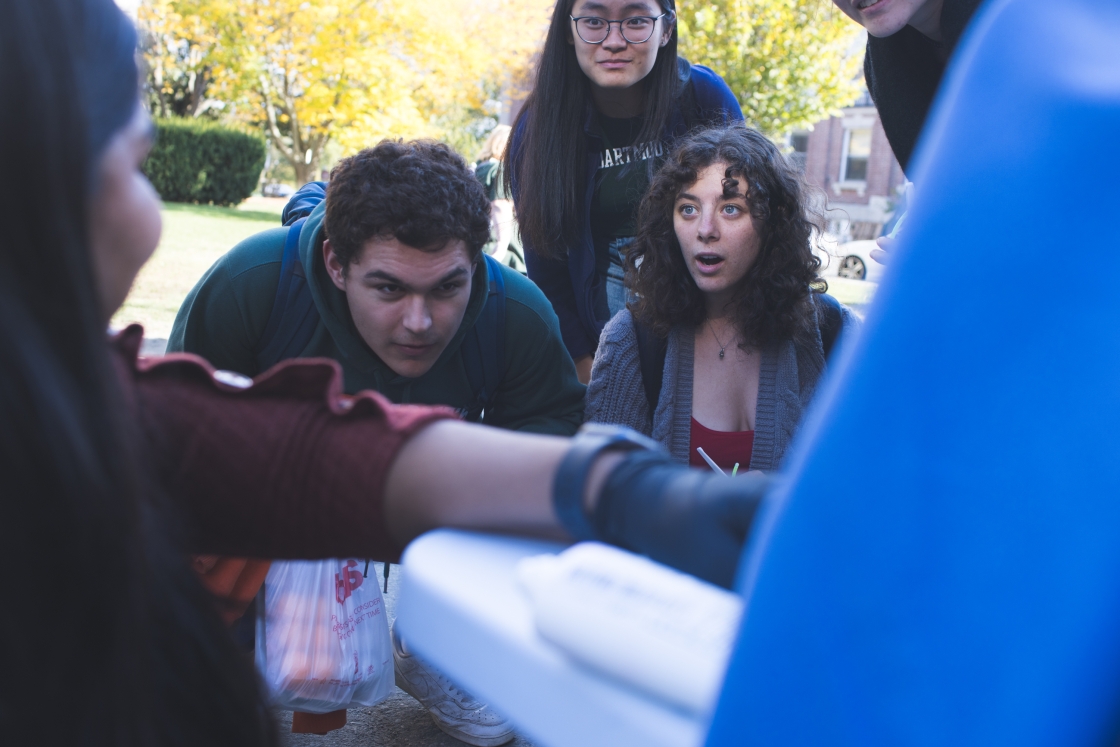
(322, 636)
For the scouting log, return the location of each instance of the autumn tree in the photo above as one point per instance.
(790, 62)
(349, 71)
(313, 72)
(175, 50)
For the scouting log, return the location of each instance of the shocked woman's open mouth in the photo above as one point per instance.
(708, 263)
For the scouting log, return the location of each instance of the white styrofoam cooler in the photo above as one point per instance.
(461, 609)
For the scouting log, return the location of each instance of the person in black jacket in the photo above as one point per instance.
(909, 43)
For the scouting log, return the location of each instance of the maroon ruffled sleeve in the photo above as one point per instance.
(285, 466)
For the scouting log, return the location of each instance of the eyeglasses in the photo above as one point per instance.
(635, 30)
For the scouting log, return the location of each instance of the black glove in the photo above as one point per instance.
(692, 520)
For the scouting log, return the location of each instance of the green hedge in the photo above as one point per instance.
(195, 161)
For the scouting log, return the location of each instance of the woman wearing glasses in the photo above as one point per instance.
(611, 96)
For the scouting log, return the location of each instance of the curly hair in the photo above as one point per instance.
(772, 302)
(421, 192)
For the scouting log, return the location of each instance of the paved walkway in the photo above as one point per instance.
(399, 721)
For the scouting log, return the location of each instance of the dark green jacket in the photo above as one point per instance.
(226, 313)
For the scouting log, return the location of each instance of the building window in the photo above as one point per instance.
(857, 151)
(799, 143)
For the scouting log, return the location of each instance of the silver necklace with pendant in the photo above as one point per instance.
(722, 347)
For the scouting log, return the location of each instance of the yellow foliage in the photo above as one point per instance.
(348, 71)
(790, 62)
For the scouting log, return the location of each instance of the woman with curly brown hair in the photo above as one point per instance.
(727, 308)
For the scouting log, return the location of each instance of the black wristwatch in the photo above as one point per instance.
(571, 476)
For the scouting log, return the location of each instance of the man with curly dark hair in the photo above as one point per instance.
(392, 260)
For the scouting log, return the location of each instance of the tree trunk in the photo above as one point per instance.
(308, 171)
(157, 80)
(199, 82)
(298, 151)
(305, 172)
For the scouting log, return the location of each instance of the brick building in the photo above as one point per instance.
(849, 159)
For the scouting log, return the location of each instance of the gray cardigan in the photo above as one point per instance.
(787, 379)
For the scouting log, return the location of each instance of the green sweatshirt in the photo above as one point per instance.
(227, 311)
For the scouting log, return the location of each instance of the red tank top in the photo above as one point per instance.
(724, 447)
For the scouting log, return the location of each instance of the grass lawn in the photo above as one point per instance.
(194, 236)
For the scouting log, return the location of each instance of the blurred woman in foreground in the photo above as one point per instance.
(115, 468)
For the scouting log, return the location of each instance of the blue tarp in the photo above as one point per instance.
(944, 567)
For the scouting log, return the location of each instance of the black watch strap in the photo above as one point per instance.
(571, 476)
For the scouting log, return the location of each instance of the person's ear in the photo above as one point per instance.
(570, 23)
(670, 26)
(335, 269)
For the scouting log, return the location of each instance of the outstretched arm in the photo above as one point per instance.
(640, 500)
(472, 477)
(287, 466)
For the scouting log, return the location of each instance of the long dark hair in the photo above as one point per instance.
(772, 302)
(106, 637)
(551, 164)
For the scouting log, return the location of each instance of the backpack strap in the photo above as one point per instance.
(484, 347)
(651, 358)
(294, 317)
(831, 320)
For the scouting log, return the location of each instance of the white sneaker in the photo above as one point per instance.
(455, 712)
